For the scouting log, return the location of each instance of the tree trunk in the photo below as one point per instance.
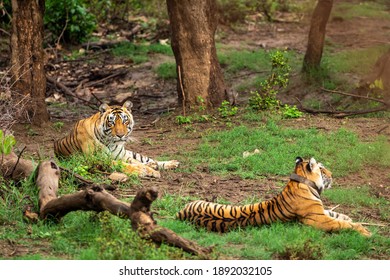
(200, 79)
(27, 59)
(316, 39)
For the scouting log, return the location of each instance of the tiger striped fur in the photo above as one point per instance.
(108, 130)
(299, 200)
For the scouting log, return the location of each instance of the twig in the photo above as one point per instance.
(77, 176)
(120, 72)
(341, 114)
(371, 224)
(383, 128)
(355, 95)
(182, 91)
(331, 209)
(17, 161)
(67, 91)
(98, 99)
(63, 30)
(5, 32)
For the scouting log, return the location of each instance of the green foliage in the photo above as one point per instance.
(290, 112)
(183, 119)
(58, 126)
(226, 110)
(265, 98)
(70, 18)
(6, 143)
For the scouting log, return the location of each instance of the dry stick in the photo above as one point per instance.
(67, 91)
(5, 32)
(331, 209)
(341, 114)
(63, 30)
(355, 95)
(17, 161)
(118, 73)
(182, 91)
(371, 224)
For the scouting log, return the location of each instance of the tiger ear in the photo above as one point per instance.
(312, 163)
(298, 160)
(128, 105)
(103, 107)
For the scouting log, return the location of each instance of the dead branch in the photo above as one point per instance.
(120, 72)
(96, 198)
(355, 95)
(371, 224)
(68, 92)
(182, 91)
(332, 209)
(341, 114)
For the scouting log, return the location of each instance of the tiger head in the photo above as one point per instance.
(315, 172)
(117, 121)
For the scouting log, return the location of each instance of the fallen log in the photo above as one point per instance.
(96, 198)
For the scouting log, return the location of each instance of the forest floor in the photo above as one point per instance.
(163, 130)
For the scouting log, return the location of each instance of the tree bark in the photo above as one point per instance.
(27, 59)
(315, 44)
(200, 79)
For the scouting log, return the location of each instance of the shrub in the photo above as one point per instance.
(69, 20)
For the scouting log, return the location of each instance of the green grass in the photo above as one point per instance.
(364, 9)
(358, 61)
(166, 70)
(343, 152)
(138, 53)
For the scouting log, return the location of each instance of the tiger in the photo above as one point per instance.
(108, 130)
(299, 200)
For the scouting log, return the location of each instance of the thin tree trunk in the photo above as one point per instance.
(193, 26)
(316, 39)
(27, 59)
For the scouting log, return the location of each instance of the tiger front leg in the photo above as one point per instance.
(327, 223)
(157, 165)
(337, 215)
(167, 165)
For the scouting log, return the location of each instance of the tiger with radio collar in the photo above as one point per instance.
(299, 200)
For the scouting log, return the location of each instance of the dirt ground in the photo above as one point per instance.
(162, 130)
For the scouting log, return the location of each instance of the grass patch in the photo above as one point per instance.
(166, 70)
(138, 53)
(343, 152)
(368, 9)
(358, 61)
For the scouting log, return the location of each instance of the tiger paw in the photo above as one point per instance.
(362, 230)
(167, 165)
(140, 170)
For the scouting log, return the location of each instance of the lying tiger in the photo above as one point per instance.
(108, 130)
(299, 200)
